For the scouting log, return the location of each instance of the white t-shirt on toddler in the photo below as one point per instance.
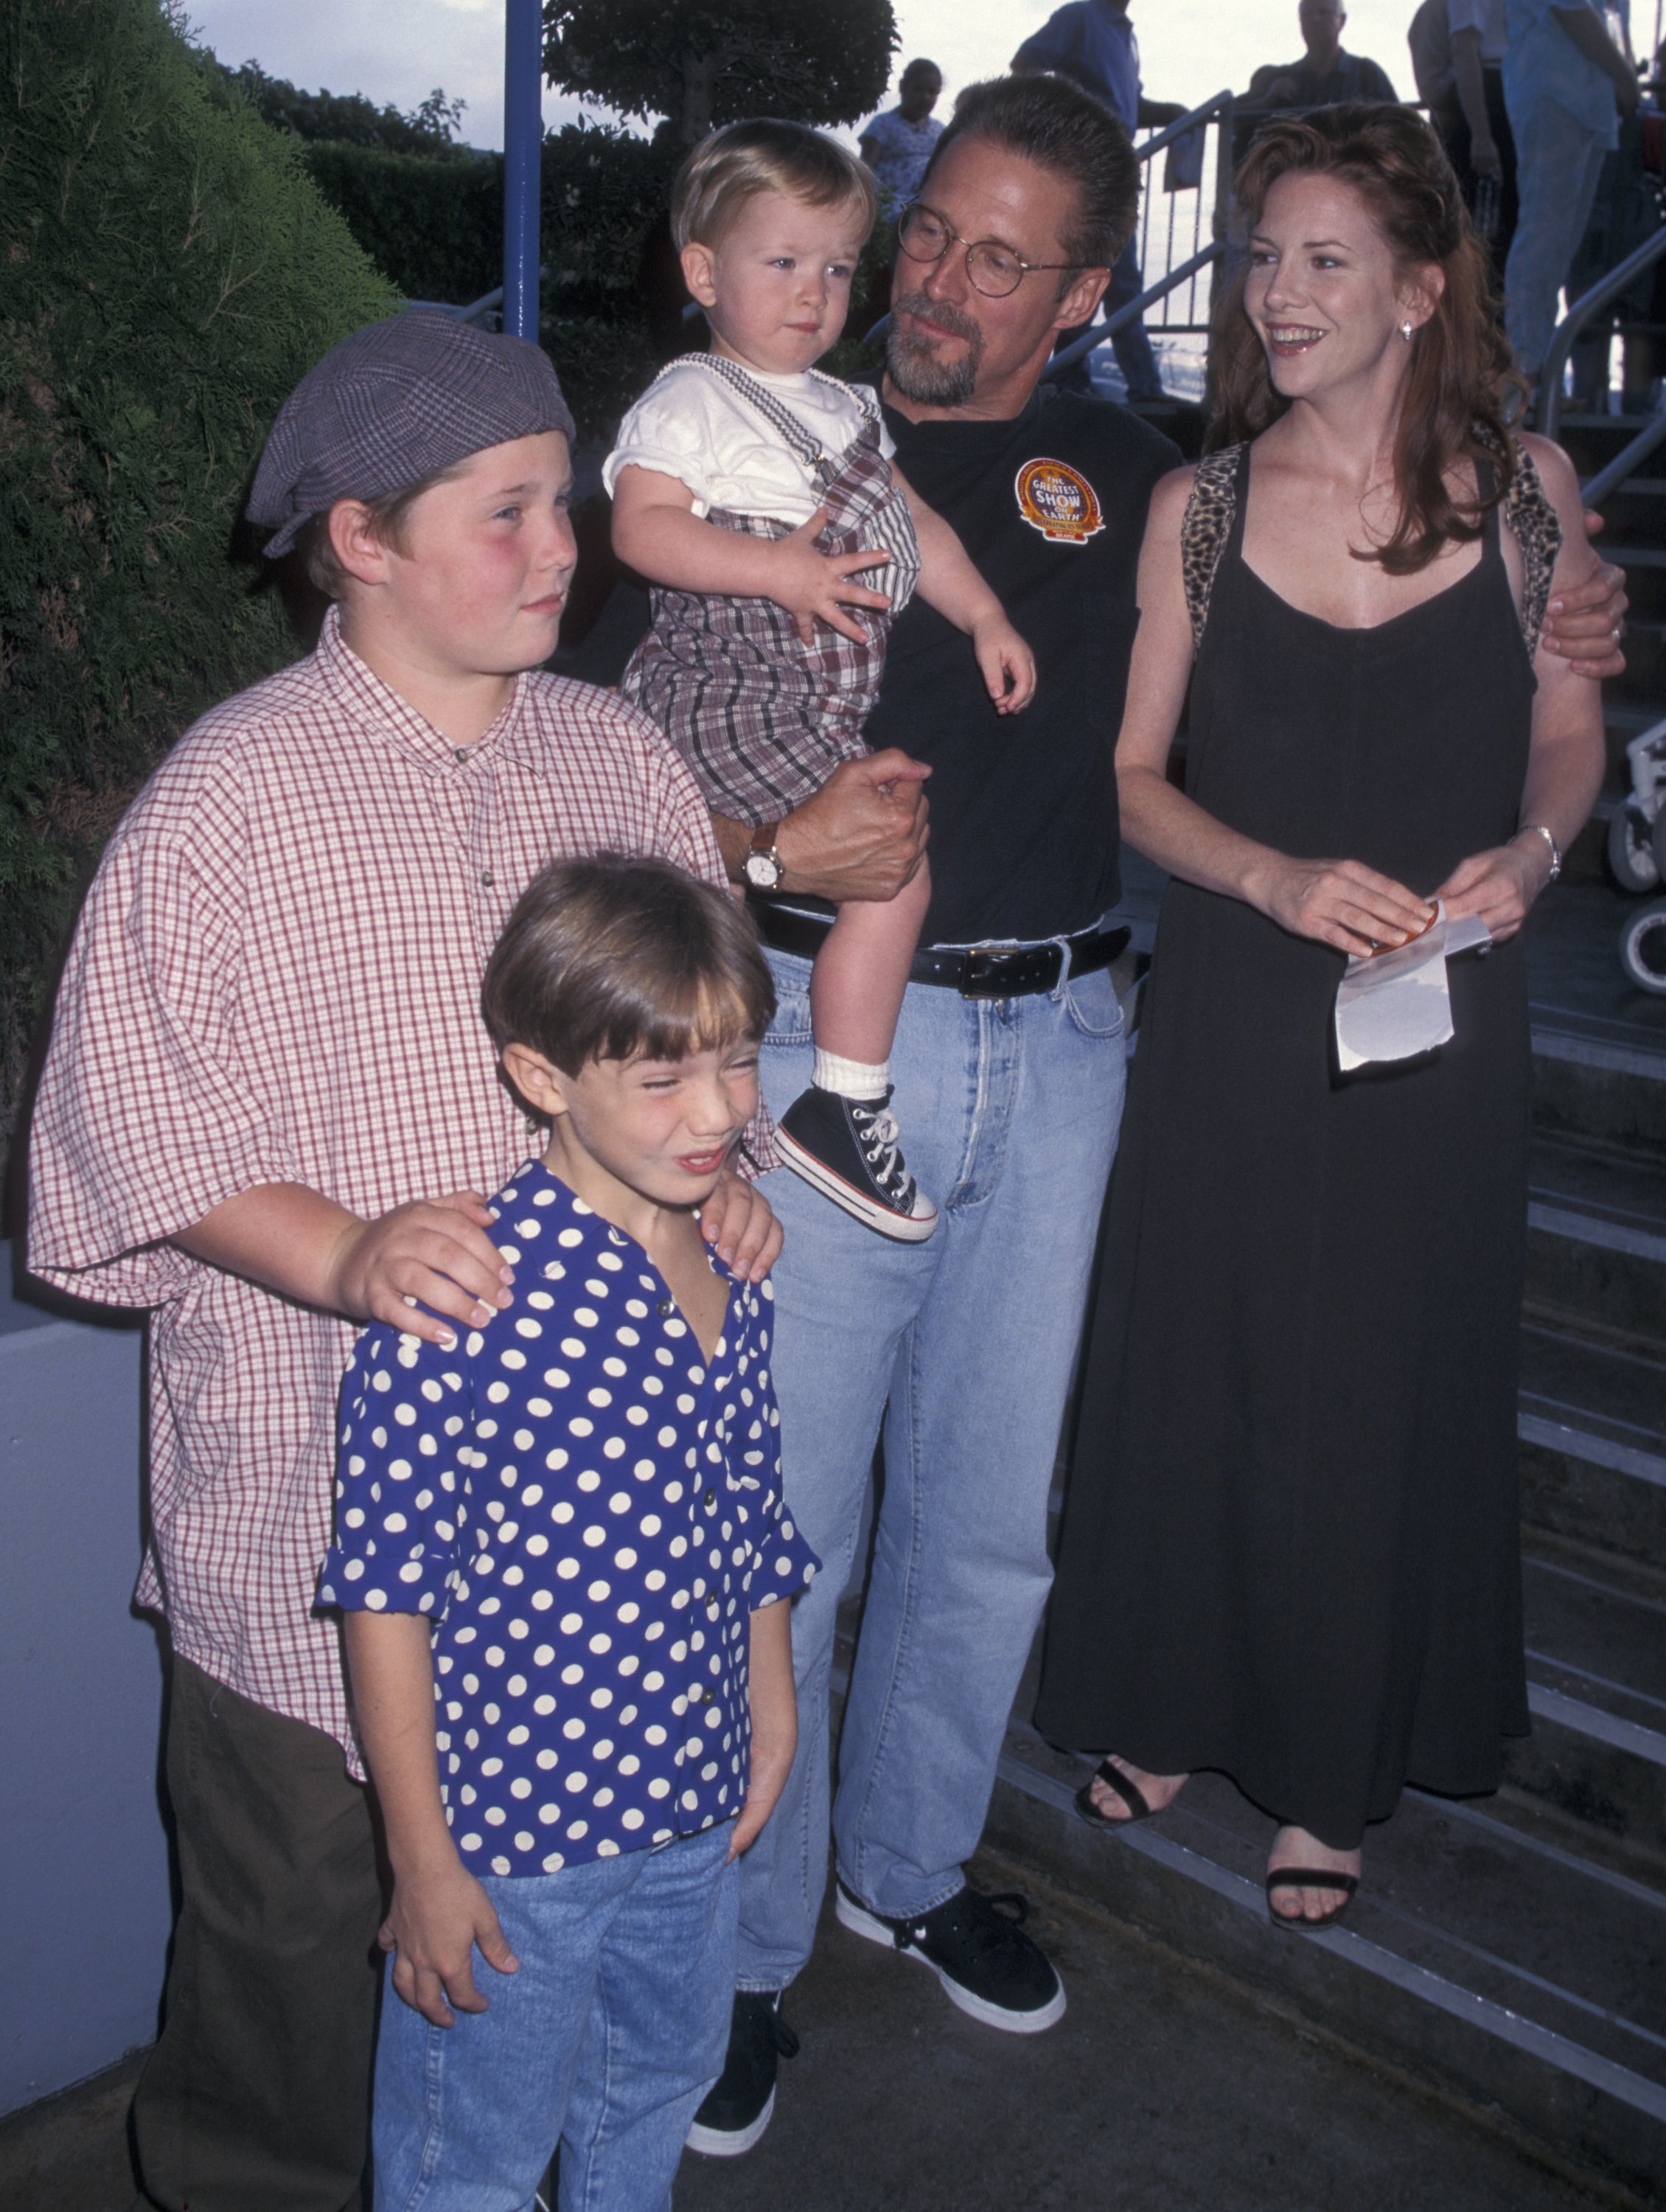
(692, 426)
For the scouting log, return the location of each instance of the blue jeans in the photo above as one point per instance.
(605, 2041)
(1132, 347)
(1009, 1111)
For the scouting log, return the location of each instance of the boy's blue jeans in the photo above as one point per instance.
(963, 1345)
(605, 2041)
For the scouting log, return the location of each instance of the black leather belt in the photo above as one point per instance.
(987, 971)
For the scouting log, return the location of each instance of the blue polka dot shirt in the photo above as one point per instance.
(590, 1514)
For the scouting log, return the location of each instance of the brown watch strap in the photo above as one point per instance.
(763, 837)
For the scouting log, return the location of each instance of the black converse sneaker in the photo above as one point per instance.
(739, 2103)
(977, 1947)
(848, 1148)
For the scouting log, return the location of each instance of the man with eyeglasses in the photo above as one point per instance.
(1008, 1062)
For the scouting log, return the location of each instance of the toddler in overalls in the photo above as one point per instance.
(756, 495)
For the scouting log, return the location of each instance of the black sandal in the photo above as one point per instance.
(1128, 1790)
(1296, 1877)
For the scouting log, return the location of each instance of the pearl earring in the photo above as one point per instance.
(1405, 330)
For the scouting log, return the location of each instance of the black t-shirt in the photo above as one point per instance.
(1052, 508)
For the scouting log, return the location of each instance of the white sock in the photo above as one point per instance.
(850, 1078)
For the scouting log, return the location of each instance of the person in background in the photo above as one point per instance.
(1565, 84)
(897, 145)
(1457, 49)
(1326, 73)
(1091, 42)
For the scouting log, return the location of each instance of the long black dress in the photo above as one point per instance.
(1290, 1547)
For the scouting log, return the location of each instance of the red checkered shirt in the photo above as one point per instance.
(276, 979)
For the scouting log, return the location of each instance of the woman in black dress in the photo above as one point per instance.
(1290, 1547)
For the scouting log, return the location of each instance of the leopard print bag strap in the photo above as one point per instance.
(1533, 524)
(1205, 529)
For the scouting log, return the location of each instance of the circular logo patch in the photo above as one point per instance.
(1058, 501)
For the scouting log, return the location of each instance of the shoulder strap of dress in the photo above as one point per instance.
(1536, 529)
(1205, 529)
(782, 419)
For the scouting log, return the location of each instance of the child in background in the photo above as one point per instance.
(753, 491)
(897, 146)
(564, 1542)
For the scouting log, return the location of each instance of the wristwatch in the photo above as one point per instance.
(763, 869)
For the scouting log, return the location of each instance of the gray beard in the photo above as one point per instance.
(916, 370)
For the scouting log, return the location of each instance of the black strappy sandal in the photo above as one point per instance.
(1296, 1877)
(1125, 1787)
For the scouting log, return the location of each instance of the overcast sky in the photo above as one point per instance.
(398, 51)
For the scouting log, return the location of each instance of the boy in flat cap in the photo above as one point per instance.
(267, 1052)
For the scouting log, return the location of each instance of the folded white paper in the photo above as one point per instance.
(1391, 1005)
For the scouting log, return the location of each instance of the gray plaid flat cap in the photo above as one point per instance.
(397, 402)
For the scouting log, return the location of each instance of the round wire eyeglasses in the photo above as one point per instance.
(993, 269)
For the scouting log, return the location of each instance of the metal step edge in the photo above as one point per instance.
(1633, 1599)
(1594, 1052)
(1598, 1451)
(1581, 1228)
(1624, 1885)
(1425, 1930)
(1512, 2028)
(1579, 1718)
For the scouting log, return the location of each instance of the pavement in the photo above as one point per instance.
(1165, 2087)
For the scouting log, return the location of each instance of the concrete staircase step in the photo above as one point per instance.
(1593, 1080)
(1591, 1419)
(1477, 1955)
(1597, 1690)
(1596, 1240)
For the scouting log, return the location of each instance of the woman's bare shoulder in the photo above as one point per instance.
(1170, 497)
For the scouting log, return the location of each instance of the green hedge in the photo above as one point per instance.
(434, 226)
(167, 270)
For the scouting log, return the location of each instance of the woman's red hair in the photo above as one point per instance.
(1462, 369)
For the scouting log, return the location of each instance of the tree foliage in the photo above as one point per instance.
(703, 62)
(348, 119)
(167, 271)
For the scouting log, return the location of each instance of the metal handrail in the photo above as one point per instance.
(485, 305)
(1627, 461)
(1100, 332)
(1602, 294)
(1220, 109)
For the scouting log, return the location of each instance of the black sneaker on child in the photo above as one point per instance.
(977, 1947)
(848, 1148)
(739, 2103)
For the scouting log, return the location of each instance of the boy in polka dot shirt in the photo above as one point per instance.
(561, 1550)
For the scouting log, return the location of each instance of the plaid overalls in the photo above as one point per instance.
(762, 719)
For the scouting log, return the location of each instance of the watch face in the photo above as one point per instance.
(763, 871)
